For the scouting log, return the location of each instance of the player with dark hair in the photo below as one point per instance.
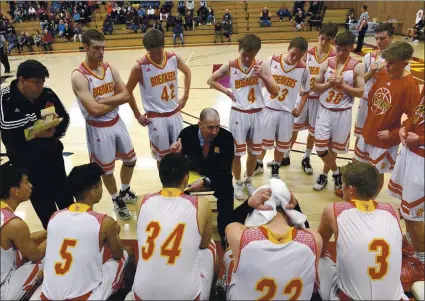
(100, 91)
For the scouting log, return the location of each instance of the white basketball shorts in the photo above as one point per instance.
(277, 126)
(361, 117)
(308, 116)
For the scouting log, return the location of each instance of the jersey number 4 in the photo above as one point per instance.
(382, 247)
(166, 96)
(269, 286)
(62, 267)
(171, 246)
(251, 95)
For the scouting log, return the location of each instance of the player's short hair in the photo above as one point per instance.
(398, 51)
(10, 177)
(92, 35)
(83, 178)
(300, 43)
(385, 27)
(172, 169)
(250, 43)
(153, 39)
(362, 176)
(346, 38)
(329, 29)
(364, 7)
(32, 69)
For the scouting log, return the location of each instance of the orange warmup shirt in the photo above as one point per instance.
(416, 125)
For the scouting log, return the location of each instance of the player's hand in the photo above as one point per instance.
(183, 101)
(293, 202)
(296, 112)
(258, 199)
(412, 139)
(143, 120)
(196, 186)
(383, 135)
(176, 147)
(258, 70)
(230, 95)
(403, 134)
(47, 133)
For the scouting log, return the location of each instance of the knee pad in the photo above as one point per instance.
(129, 164)
(322, 155)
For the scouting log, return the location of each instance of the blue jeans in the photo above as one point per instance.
(210, 19)
(284, 14)
(181, 37)
(265, 23)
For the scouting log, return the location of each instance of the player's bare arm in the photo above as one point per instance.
(135, 77)
(111, 231)
(181, 65)
(18, 233)
(358, 89)
(121, 95)
(80, 87)
(326, 226)
(265, 74)
(319, 84)
(39, 236)
(304, 95)
(205, 222)
(234, 234)
(216, 76)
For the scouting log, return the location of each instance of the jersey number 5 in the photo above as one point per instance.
(268, 285)
(171, 246)
(165, 96)
(381, 246)
(61, 268)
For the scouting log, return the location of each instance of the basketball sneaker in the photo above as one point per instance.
(239, 191)
(321, 182)
(286, 161)
(275, 172)
(305, 163)
(259, 168)
(407, 249)
(250, 187)
(128, 196)
(412, 270)
(121, 208)
(337, 181)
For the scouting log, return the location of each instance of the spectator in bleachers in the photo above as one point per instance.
(18, 15)
(181, 8)
(23, 41)
(12, 41)
(178, 32)
(265, 18)
(314, 8)
(141, 12)
(76, 16)
(47, 40)
(210, 17)
(362, 28)
(284, 12)
(32, 13)
(158, 26)
(68, 33)
(151, 13)
(203, 3)
(78, 32)
(218, 31)
(171, 21)
(190, 5)
(188, 21)
(415, 31)
(38, 39)
(30, 41)
(228, 30)
(165, 10)
(299, 21)
(315, 20)
(227, 16)
(419, 15)
(61, 28)
(298, 6)
(203, 14)
(107, 25)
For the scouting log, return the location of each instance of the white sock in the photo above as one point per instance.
(408, 238)
(115, 195)
(239, 182)
(275, 163)
(307, 153)
(335, 172)
(325, 174)
(260, 161)
(420, 256)
(124, 186)
(285, 155)
(248, 179)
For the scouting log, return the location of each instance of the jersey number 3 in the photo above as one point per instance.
(269, 286)
(381, 246)
(165, 96)
(171, 246)
(61, 268)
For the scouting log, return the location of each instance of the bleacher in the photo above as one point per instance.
(245, 19)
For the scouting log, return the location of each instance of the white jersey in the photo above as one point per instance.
(159, 84)
(338, 99)
(73, 262)
(368, 249)
(290, 80)
(100, 87)
(9, 256)
(246, 87)
(313, 64)
(368, 60)
(287, 268)
(168, 238)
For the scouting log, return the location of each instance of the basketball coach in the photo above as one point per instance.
(21, 105)
(210, 151)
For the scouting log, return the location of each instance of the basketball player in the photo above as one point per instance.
(16, 241)
(100, 91)
(373, 62)
(307, 119)
(340, 79)
(368, 242)
(174, 233)
(247, 78)
(75, 240)
(273, 261)
(394, 93)
(291, 74)
(157, 76)
(407, 184)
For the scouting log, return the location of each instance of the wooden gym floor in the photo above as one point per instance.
(145, 179)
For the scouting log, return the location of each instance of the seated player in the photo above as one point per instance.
(291, 74)
(407, 184)
(368, 242)
(76, 236)
(17, 243)
(271, 261)
(394, 93)
(174, 233)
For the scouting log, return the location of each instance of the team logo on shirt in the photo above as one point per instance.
(216, 150)
(419, 114)
(420, 212)
(381, 101)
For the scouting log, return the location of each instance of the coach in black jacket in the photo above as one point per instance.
(210, 150)
(20, 107)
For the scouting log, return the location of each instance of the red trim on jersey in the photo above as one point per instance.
(232, 64)
(390, 209)
(128, 156)
(162, 153)
(80, 298)
(194, 200)
(103, 124)
(104, 66)
(27, 286)
(252, 111)
(335, 110)
(143, 61)
(166, 114)
(239, 64)
(105, 166)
